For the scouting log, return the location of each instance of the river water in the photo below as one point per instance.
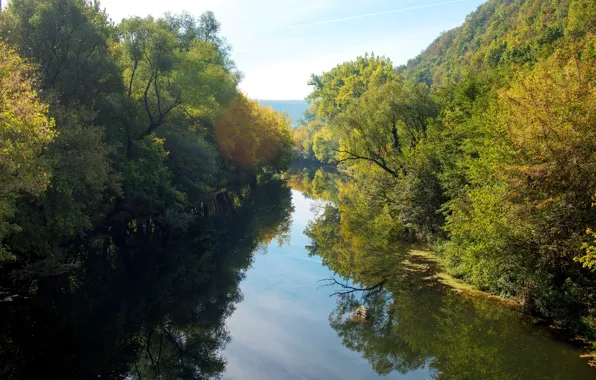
(235, 294)
(281, 330)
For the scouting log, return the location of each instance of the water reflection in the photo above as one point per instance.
(281, 329)
(391, 310)
(151, 302)
(316, 182)
(144, 301)
(452, 338)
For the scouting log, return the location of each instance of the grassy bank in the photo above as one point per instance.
(433, 272)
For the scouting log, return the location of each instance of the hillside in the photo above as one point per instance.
(294, 108)
(486, 151)
(500, 34)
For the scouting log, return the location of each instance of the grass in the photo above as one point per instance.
(438, 275)
(441, 274)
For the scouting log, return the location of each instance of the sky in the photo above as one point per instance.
(278, 44)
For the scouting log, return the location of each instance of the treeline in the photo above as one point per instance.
(104, 123)
(484, 146)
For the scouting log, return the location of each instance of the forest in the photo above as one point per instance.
(137, 181)
(481, 149)
(105, 125)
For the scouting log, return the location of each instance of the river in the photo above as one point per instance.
(282, 329)
(237, 295)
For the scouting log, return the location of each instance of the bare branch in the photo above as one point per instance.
(176, 345)
(379, 161)
(149, 351)
(350, 289)
(146, 101)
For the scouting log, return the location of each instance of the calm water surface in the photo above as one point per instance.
(283, 328)
(205, 301)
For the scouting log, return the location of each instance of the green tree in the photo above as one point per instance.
(169, 69)
(25, 131)
(384, 124)
(334, 90)
(69, 41)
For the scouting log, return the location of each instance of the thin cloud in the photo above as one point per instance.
(376, 14)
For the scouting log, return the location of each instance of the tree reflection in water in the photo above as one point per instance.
(144, 300)
(412, 322)
(454, 337)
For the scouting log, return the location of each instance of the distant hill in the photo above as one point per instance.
(502, 34)
(294, 108)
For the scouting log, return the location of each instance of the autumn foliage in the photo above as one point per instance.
(249, 134)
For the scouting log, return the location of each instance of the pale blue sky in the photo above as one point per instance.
(279, 43)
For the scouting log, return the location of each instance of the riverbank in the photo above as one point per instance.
(434, 273)
(425, 267)
(439, 275)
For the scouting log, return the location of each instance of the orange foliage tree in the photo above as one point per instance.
(250, 135)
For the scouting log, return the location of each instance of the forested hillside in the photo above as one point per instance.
(109, 126)
(501, 35)
(483, 147)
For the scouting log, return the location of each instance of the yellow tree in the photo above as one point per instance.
(589, 259)
(325, 145)
(300, 137)
(549, 115)
(25, 130)
(249, 134)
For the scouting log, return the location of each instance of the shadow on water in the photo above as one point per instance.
(143, 301)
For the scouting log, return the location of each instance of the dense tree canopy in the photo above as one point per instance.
(25, 131)
(134, 107)
(126, 218)
(482, 146)
(127, 147)
(336, 88)
(249, 134)
(411, 322)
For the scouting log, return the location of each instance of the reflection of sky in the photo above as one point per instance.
(281, 329)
